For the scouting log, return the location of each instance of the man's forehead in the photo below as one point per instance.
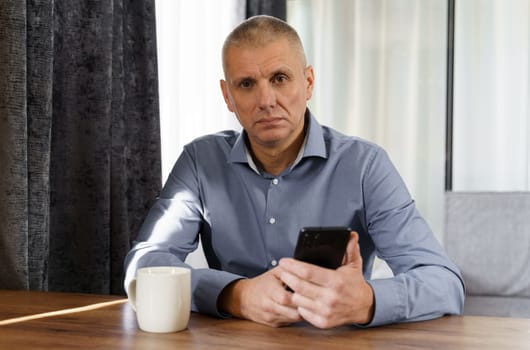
(275, 56)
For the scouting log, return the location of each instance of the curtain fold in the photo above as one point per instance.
(276, 8)
(39, 44)
(13, 146)
(80, 140)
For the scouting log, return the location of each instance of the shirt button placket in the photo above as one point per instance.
(272, 220)
(269, 239)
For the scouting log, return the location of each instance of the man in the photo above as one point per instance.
(248, 194)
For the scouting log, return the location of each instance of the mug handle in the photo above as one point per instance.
(131, 292)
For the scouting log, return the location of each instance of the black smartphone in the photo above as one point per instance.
(322, 246)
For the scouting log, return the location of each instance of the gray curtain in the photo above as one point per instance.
(79, 140)
(276, 8)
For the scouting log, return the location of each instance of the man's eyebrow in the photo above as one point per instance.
(242, 78)
(282, 70)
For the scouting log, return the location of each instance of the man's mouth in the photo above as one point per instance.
(270, 121)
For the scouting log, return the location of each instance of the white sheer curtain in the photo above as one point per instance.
(190, 35)
(492, 94)
(380, 70)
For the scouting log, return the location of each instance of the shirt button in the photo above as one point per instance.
(274, 263)
(275, 181)
(272, 220)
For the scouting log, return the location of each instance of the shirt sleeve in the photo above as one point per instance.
(171, 231)
(426, 283)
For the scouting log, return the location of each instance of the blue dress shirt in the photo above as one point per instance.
(248, 220)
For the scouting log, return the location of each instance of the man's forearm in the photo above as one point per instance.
(434, 292)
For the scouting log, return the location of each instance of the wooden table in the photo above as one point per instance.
(108, 322)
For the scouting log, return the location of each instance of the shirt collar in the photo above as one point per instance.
(313, 146)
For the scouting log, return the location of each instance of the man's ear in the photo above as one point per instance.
(224, 89)
(310, 80)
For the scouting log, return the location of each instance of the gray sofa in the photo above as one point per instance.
(487, 234)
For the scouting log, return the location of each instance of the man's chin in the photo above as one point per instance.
(271, 139)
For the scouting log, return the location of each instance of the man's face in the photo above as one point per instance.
(267, 88)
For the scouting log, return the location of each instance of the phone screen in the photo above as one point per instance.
(322, 246)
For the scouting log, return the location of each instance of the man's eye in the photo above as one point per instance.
(245, 84)
(280, 78)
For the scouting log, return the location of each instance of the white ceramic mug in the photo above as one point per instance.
(161, 297)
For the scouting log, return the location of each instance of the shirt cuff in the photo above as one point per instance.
(207, 285)
(389, 302)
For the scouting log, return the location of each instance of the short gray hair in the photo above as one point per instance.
(261, 30)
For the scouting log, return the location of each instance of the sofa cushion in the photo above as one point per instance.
(487, 234)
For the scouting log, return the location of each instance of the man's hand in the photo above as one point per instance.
(262, 299)
(328, 298)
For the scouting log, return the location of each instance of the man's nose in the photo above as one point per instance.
(266, 96)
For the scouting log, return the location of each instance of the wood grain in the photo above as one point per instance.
(114, 327)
